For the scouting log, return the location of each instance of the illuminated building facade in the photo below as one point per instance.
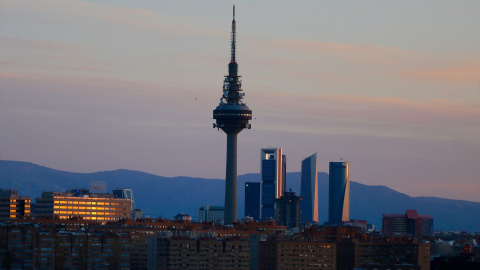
(13, 206)
(272, 183)
(125, 193)
(338, 193)
(82, 203)
(309, 189)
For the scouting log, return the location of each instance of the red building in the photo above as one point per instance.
(409, 223)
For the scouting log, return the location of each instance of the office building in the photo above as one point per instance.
(125, 193)
(338, 193)
(409, 223)
(309, 189)
(13, 206)
(209, 213)
(83, 204)
(252, 200)
(272, 182)
(288, 210)
(232, 116)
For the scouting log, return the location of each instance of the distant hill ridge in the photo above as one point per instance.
(168, 196)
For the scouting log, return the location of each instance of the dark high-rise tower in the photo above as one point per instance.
(232, 116)
(252, 200)
(309, 189)
(338, 193)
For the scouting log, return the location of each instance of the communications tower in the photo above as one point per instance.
(232, 116)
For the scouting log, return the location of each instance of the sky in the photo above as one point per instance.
(393, 87)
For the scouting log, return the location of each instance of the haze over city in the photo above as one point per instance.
(392, 87)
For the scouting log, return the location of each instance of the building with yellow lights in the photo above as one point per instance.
(13, 206)
(81, 203)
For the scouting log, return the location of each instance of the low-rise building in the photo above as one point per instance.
(362, 254)
(409, 223)
(199, 253)
(81, 203)
(209, 213)
(281, 252)
(13, 206)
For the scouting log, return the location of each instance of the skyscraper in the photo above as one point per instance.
(309, 189)
(232, 116)
(338, 193)
(252, 200)
(272, 183)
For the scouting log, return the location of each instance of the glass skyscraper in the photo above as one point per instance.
(338, 193)
(272, 183)
(309, 189)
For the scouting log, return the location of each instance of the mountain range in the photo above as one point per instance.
(160, 196)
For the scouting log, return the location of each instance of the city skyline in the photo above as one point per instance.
(392, 87)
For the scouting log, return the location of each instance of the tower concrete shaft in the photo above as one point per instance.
(232, 116)
(231, 180)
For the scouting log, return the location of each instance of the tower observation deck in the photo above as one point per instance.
(232, 116)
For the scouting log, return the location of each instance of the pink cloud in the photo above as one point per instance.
(370, 115)
(47, 45)
(468, 74)
(364, 52)
(386, 62)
